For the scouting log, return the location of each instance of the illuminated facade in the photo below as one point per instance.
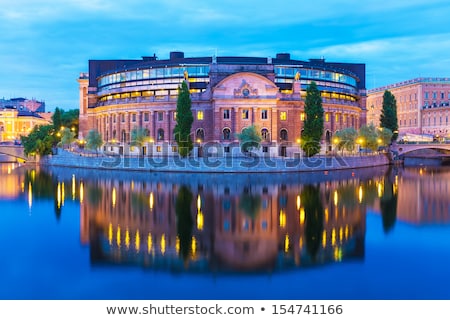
(16, 123)
(228, 94)
(423, 105)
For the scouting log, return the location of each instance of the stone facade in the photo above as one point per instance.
(422, 105)
(228, 94)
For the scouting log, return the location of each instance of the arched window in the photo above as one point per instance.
(160, 135)
(283, 135)
(226, 132)
(265, 134)
(200, 134)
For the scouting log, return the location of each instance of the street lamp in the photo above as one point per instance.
(360, 141)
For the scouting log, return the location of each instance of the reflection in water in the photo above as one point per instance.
(184, 222)
(210, 223)
(388, 202)
(313, 218)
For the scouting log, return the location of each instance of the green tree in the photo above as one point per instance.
(345, 139)
(385, 136)
(313, 125)
(39, 141)
(185, 119)
(56, 119)
(368, 137)
(139, 136)
(67, 136)
(94, 140)
(388, 117)
(249, 138)
(70, 119)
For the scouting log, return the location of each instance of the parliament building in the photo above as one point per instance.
(228, 94)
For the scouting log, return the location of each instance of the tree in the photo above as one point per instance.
(39, 141)
(67, 136)
(94, 140)
(185, 119)
(368, 137)
(56, 119)
(139, 136)
(249, 138)
(388, 117)
(346, 138)
(385, 136)
(313, 125)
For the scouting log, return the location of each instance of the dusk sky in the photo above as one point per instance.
(45, 44)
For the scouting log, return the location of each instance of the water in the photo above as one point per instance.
(380, 233)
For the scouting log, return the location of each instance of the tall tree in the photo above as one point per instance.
(56, 119)
(185, 119)
(388, 117)
(313, 125)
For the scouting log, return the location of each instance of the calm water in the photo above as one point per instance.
(381, 233)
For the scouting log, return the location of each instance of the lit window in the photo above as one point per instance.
(302, 116)
(337, 117)
(174, 116)
(244, 114)
(264, 115)
(283, 115)
(327, 117)
(200, 115)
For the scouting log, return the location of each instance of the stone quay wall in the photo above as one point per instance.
(214, 164)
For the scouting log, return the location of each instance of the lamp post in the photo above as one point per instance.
(360, 143)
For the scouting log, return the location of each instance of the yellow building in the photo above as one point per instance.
(16, 123)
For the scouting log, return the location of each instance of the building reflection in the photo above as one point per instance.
(231, 227)
(11, 184)
(228, 223)
(423, 197)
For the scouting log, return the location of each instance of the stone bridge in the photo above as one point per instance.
(402, 149)
(14, 151)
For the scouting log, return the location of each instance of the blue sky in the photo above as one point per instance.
(45, 44)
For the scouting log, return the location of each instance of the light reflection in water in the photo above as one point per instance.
(236, 225)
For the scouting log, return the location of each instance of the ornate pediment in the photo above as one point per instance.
(245, 90)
